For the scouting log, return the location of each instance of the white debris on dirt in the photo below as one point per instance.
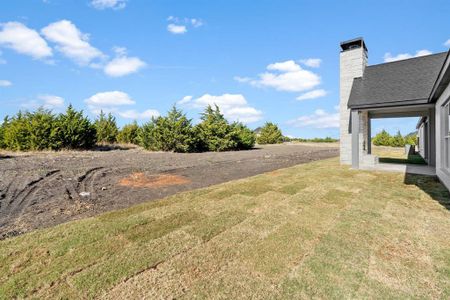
(85, 194)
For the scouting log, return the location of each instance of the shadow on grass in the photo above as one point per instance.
(431, 186)
(415, 159)
(111, 147)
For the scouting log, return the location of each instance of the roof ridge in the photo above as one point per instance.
(407, 59)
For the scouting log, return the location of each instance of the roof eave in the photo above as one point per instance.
(442, 80)
(410, 102)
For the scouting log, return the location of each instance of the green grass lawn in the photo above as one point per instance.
(396, 155)
(315, 230)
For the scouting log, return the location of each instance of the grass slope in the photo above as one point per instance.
(314, 230)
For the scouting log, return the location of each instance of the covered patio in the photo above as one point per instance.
(361, 134)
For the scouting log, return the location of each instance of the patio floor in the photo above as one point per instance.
(403, 168)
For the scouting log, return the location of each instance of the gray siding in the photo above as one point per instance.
(443, 175)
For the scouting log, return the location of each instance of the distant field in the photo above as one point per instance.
(317, 230)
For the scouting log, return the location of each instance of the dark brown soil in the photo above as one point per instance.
(44, 189)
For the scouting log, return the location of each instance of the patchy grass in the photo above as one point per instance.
(315, 230)
(395, 155)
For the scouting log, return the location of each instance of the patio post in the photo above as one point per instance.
(369, 135)
(355, 139)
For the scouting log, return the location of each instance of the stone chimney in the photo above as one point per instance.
(353, 61)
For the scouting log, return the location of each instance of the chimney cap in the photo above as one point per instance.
(353, 44)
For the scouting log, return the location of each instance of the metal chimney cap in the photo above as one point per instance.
(353, 44)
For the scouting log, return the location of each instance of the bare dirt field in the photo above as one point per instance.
(43, 189)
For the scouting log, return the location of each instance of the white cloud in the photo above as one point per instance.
(233, 106)
(285, 76)
(185, 100)
(46, 101)
(311, 62)
(319, 119)
(447, 43)
(111, 102)
(123, 65)
(51, 101)
(246, 114)
(176, 29)
(114, 4)
(423, 53)
(106, 99)
(312, 95)
(136, 115)
(286, 66)
(71, 42)
(24, 40)
(5, 83)
(196, 22)
(181, 25)
(290, 82)
(242, 79)
(389, 58)
(120, 51)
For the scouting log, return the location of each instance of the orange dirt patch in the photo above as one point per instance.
(274, 173)
(155, 181)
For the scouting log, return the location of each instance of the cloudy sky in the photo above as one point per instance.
(258, 60)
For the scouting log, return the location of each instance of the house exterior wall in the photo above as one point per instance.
(352, 65)
(432, 137)
(441, 172)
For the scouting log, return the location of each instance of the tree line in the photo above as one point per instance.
(312, 140)
(44, 130)
(383, 138)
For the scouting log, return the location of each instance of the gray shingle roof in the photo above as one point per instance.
(401, 82)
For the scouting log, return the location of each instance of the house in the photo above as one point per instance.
(415, 87)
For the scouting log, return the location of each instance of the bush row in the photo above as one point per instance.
(41, 130)
(398, 140)
(175, 132)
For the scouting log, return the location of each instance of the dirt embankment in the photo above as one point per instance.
(44, 189)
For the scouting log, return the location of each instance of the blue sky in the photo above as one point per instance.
(259, 60)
